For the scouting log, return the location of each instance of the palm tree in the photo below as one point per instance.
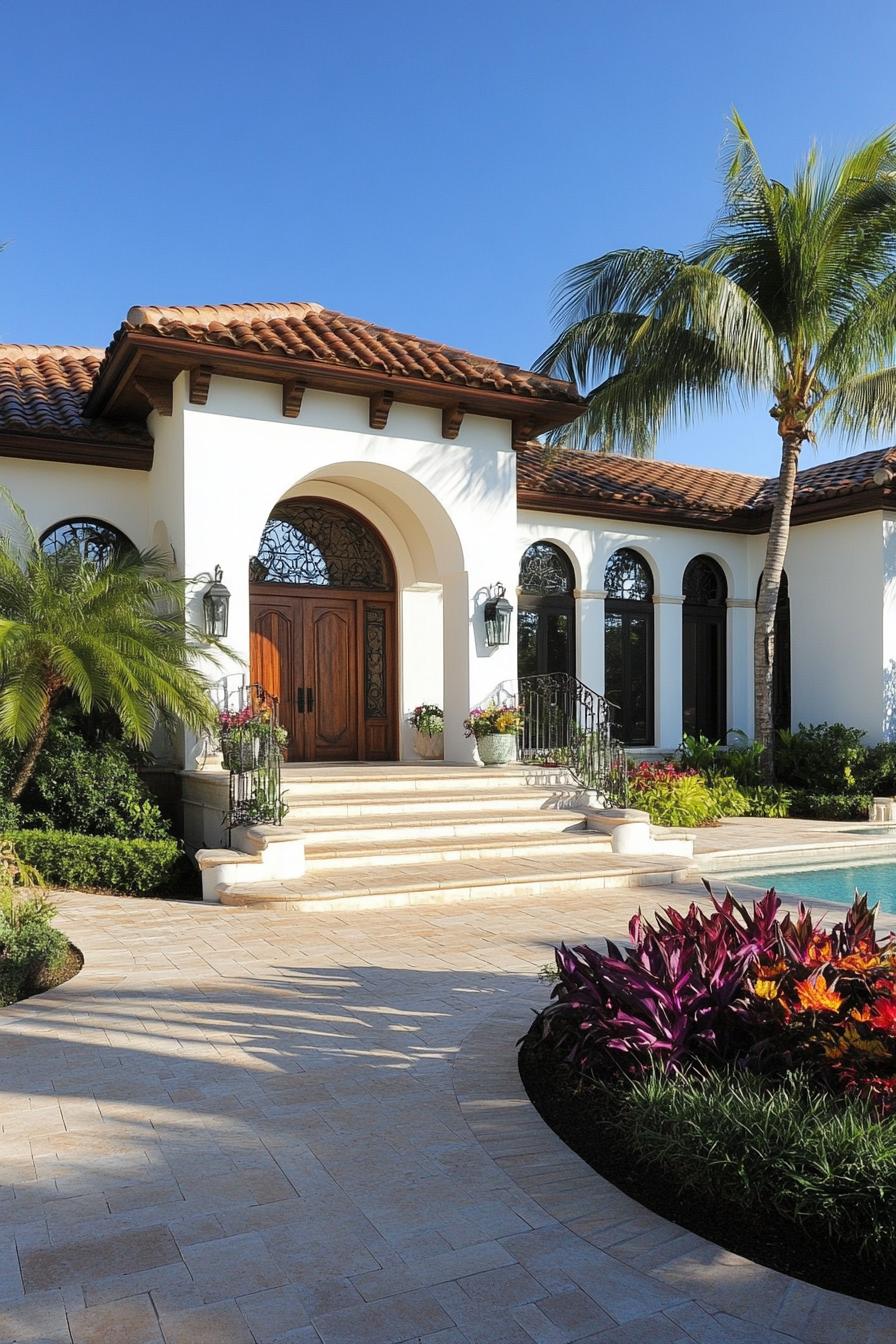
(110, 635)
(792, 296)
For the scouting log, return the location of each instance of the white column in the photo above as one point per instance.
(668, 669)
(741, 620)
(590, 637)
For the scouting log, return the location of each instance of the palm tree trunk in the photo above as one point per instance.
(767, 601)
(29, 760)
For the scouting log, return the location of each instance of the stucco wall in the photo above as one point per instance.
(447, 510)
(843, 622)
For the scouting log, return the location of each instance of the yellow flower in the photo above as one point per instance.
(816, 996)
(766, 989)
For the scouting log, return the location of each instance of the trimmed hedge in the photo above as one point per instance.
(66, 859)
(830, 806)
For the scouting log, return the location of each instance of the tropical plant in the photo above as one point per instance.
(736, 986)
(109, 636)
(673, 797)
(792, 296)
(494, 720)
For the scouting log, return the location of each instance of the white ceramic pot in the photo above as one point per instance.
(497, 748)
(429, 746)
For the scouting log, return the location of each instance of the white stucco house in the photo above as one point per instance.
(363, 492)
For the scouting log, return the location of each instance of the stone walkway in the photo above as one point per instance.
(238, 1126)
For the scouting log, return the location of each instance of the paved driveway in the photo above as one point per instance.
(241, 1126)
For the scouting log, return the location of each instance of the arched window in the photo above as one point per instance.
(704, 649)
(628, 644)
(89, 537)
(781, 671)
(321, 544)
(546, 621)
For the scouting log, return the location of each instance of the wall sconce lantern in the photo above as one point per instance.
(216, 606)
(497, 611)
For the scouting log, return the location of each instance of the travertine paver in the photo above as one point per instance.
(252, 1126)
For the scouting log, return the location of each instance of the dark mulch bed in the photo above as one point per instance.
(41, 978)
(574, 1112)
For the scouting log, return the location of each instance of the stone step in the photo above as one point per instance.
(393, 827)
(323, 855)
(522, 878)
(311, 810)
(318, 781)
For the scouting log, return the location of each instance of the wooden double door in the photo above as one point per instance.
(328, 655)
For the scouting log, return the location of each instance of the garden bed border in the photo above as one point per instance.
(731, 1296)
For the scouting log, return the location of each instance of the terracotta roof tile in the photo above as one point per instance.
(307, 331)
(694, 493)
(43, 389)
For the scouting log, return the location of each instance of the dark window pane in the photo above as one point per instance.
(321, 544)
(527, 643)
(628, 576)
(545, 570)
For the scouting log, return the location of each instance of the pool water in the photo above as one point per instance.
(833, 884)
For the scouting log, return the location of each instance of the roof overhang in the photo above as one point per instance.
(87, 451)
(743, 521)
(138, 360)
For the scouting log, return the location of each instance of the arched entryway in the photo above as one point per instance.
(323, 630)
(705, 650)
(546, 621)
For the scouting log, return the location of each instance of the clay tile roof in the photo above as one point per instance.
(693, 494)
(640, 482)
(43, 389)
(307, 331)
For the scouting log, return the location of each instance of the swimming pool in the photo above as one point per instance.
(835, 883)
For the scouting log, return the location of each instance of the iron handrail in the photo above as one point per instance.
(567, 723)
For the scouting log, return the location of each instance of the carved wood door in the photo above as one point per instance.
(330, 661)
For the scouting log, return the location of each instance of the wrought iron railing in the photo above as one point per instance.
(566, 723)
(251, 749)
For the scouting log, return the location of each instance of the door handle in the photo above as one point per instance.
(309, 696)
(300, 699)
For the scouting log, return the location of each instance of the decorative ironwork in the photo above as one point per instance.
(251, 749)
(565, 723)
(91, 538)
(546, 571)
(375, 662)
(704, 583)
(323, 545)
(627, 577)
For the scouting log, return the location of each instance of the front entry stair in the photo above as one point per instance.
(369, 837)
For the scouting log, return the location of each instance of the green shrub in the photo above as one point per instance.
(87, 785)
(730, 1140)
(672, 797)
(878, 771)
(728, 799)
(821, 758)
(65, 859)
(29, 944)
(768, 800)
(830, 806)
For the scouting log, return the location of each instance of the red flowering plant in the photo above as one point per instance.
(738, 986)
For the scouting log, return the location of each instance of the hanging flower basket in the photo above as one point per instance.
(239, 754)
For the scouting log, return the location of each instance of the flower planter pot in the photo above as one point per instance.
(497, 749)
(429, 746)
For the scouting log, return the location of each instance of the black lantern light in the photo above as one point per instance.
(216, 606)
(497, 612)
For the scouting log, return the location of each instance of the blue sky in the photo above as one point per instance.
(430, 167)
